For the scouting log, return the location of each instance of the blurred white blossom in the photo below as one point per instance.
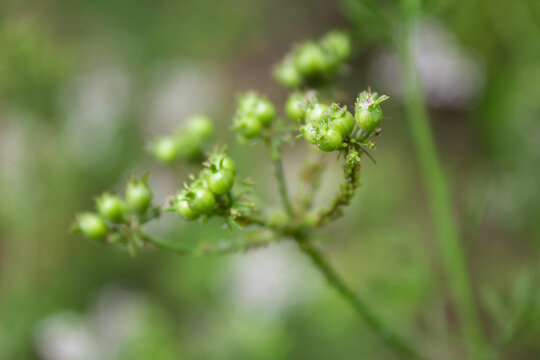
(115, 320)
(271, 280)
(451, 74)
(94, 105)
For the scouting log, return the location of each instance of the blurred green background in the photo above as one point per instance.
(85, 85)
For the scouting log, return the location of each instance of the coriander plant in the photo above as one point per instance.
(347, 133)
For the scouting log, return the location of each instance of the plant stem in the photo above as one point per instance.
(399, 345)
(351, 174)
(278, 170)
(439, 198)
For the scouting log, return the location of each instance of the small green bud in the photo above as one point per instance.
(310, 133)
(138, 195)
(247, 126)
(338, 45)
(91, 225)
(259, 107)
(228, 164)
(200, 126)
(189, 146)
(287, 74)
(165, 149)
(368, 113)
(111, 207)
(309, 59)
(343, 121)
(296, 106)
(221, 181)
(264, 111)
(201, 200)
(183, 210)
(316, 113)
(369, 119)
(330, 140)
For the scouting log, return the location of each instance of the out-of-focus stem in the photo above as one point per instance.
(439, 198)
(278, 169)
(397, 344)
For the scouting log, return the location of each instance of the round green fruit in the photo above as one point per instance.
(287, 74)
(310, 59)
(227, 163)
(296, 106)
(138, 196)
(183, 210)
(165, 149)
(344, 123)
(92, 226)
(369, 119)
(316, 113)
(111, 208)
(248, 126)
(264, 111)
(201, 200)
(330, 140)
(200, 126)
(338, 45)
(221, 181)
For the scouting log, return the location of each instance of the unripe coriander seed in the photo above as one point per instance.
(138, 195)
(264, 111)
(228, 164)
(330, 140)
(165, 149)
(220, 182)
(287, 74)
(200, 126)
(369, 119)
(92, 225)
(111, 208)
(310, 59)
(183, 210)
(344, 123)
(296, 106)
(316, 113)
(201, 200)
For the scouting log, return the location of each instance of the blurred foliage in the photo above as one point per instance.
(51, 121)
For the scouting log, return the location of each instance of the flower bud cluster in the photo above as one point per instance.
(207, 192)
(314, 63)
(254, 113)
(112, 212)
(328, 127)
(187, 142)
(368, 113)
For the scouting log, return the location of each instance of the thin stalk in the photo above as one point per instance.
(439, 200)
(284, 194)
(397, 344)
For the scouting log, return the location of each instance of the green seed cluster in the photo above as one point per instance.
(187, 142)
(326, 126)
(329, 127)
(253, 114)
(368, 113)
(209, 192)
(314, 63)
(113, 213)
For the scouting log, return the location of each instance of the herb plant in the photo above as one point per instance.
(309, 71)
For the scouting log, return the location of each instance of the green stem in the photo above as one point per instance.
(399, 345)
(351, 174)
(439, 199)
(278, 170)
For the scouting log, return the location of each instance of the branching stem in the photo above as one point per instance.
(399, 345)
(351, 172)
(439, 198)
